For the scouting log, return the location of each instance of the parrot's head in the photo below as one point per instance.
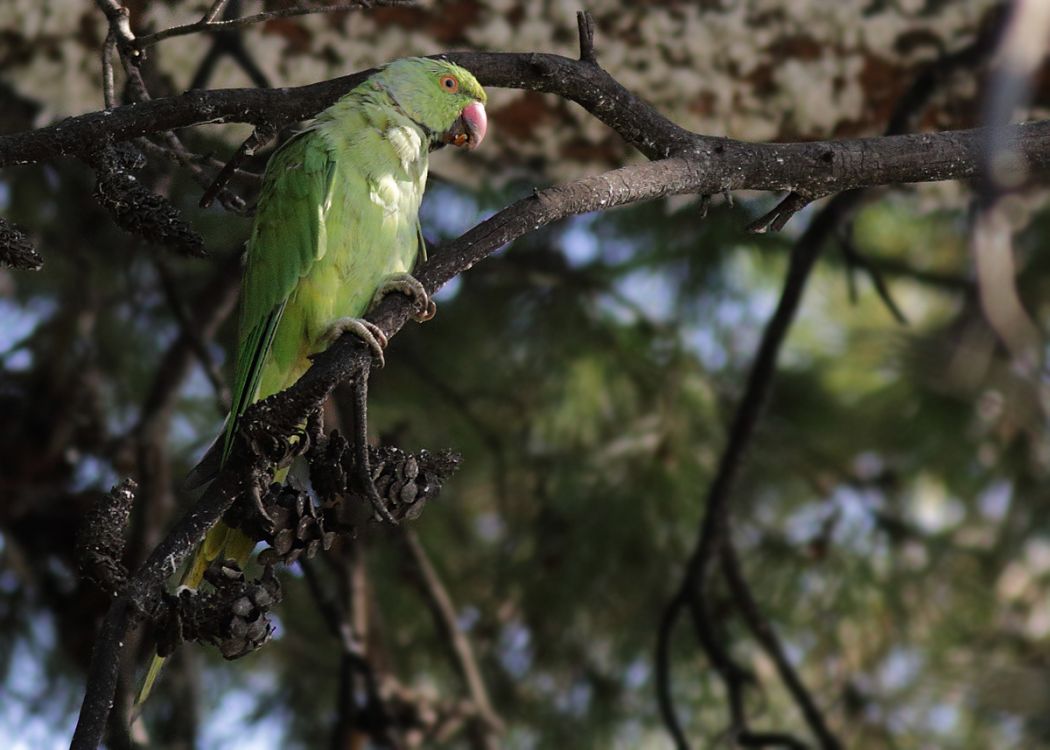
(444, 98)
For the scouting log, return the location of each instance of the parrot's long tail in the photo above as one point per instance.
(221, 540)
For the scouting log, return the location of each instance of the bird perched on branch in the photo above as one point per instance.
(336, 228)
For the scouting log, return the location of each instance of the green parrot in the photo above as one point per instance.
(336, 228)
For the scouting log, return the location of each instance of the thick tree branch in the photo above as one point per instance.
(585, 83)
(813, 168)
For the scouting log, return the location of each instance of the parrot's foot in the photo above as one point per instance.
(409, 286)
(368, 332)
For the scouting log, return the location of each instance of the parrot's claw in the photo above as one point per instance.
(430, 311)
(368, 332)
(408, 285)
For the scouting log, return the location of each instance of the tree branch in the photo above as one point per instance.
(374, 717)
(258, 139)
(763, 631)
(812, 168)
(120, 27)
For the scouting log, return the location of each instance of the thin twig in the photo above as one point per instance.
(585, 23)
(228, 43)
(136, 84)
(140, 93)
(109, 48)
(779, 216)
(120, 24)
(192, 330)
(941, 280)
(214, 11)
(662, 674)
(229, 200)
(764, 633)
(460, 651)
(259, 138)
(232, 44)
(714, 530)
(856, 259)
(354, 662)
(203, 177)
(205, 25)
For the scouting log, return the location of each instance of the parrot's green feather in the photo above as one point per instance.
(338, 213)
(291, 217)
(252, 353)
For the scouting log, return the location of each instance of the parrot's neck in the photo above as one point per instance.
(387, 94)
(372, 105)
(371, 118)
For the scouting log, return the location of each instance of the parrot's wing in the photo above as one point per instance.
(288, 238)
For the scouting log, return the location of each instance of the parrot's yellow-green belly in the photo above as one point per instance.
(343, 282)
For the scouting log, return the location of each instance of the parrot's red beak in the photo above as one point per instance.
(469, 128)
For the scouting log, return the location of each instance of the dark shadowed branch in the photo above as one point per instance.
(355, 667)
(856, 259)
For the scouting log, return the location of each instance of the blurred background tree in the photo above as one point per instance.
(891, 515)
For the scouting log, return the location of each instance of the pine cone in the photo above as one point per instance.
(100, 539)
(293, 525)
(331, 466)
(406, 481)
(233, 616)
(16, 249)
(298, 528)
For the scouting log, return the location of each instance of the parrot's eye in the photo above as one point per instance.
(450, 84)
